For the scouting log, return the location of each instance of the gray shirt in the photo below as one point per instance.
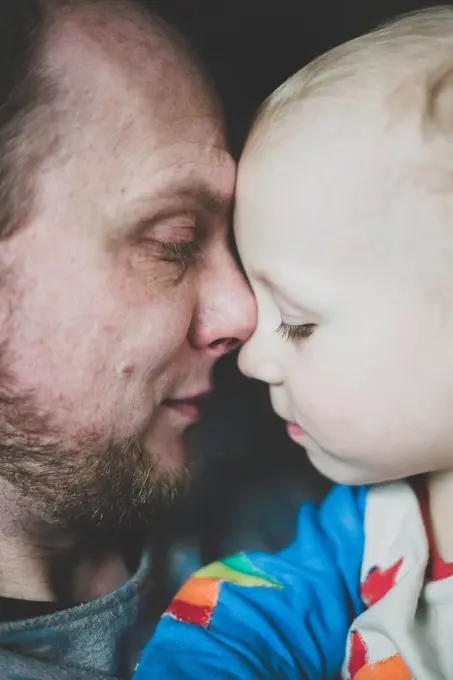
(92, 641)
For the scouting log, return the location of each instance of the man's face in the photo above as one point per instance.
(345, 233)
(121, 295)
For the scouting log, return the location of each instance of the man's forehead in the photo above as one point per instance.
(115, 54)
(129, 114)
(121, 32)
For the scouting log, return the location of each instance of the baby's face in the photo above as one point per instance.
(346, 234)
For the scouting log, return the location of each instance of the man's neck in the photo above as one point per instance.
(43, 567)
(440, 494)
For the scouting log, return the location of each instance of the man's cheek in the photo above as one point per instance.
(152, 350)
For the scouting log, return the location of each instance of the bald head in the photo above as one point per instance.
(92, 40)
(66, 64)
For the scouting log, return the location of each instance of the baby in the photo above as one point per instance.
(344, 224)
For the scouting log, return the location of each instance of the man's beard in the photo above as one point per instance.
(87, 488)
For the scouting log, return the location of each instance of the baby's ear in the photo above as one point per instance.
(439, 100)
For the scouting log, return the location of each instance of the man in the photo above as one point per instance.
(118, 296)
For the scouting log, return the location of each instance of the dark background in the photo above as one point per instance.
(251, 477)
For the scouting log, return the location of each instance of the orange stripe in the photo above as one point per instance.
(202, 592)
(393, 668)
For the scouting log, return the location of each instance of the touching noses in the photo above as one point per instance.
(226, 314)
(258, 359)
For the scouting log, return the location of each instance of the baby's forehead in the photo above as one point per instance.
(302, 162)
(338, 123)
(349, 190)
(348, 149)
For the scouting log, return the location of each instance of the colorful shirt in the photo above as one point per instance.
(351, 597)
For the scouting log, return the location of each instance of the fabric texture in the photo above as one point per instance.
(351, 597)
(97, 640)
(258, 615)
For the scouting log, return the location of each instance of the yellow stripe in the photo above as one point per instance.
(220, 571)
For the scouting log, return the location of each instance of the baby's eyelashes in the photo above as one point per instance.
(297, 332)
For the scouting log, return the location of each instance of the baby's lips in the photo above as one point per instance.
(294, 430)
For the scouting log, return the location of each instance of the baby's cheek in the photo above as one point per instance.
(330, 412)
(309, 400)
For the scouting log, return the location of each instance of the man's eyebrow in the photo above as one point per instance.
(201, 196)
(188, 197)
(206, 198)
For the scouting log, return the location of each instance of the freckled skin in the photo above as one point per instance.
(128, 370)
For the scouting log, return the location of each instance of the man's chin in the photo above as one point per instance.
(168, 456)
(103, 491)
(94, 483)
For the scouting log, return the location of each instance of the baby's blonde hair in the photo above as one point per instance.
(417, 47)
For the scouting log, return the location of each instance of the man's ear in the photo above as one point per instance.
(439, 100)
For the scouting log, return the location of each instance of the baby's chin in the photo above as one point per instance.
(350, 473)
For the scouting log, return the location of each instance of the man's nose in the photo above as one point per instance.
(226, 313)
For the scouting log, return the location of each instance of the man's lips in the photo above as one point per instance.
(190, 408)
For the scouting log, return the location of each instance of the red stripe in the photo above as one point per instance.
(438, 569)
(358, 654)
(190, 613)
